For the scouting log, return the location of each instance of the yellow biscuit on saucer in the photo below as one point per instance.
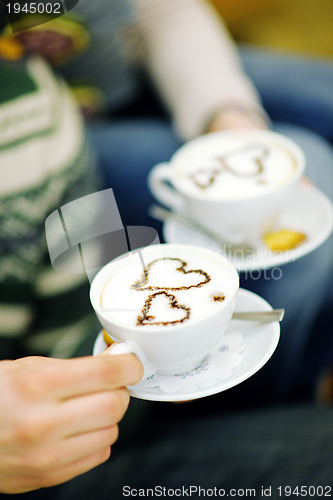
(283, 240)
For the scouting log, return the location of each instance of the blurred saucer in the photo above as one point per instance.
(310, 212)
(244, 348)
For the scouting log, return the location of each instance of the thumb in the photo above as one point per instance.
(107, 351)
(109, 342)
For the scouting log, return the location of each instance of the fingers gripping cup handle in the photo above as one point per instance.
(129, 348)
(158, 178)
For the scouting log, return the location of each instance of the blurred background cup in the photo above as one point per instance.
(234, 183)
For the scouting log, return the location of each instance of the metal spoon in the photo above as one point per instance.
(163, 214)
(261, 316)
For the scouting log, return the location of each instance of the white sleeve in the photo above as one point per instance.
(193, 61)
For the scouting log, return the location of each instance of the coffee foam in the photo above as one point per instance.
(160, 295)
(234, 166)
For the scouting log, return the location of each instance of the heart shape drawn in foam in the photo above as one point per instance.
(162, 302)
(251, 159)
(191, 278)
(247, 162)
(205, 177)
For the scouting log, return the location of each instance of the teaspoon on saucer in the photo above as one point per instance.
(163, 214)
(261, 316)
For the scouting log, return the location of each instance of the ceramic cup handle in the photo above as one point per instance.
(160, 184)
(129, 348)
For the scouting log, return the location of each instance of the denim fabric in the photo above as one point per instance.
(293, 88)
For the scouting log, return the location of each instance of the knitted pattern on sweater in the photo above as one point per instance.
(44, 164)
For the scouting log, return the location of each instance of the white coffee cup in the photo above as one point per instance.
(234, 183)
(173, 348)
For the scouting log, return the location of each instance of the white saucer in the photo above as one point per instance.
(243, 350)
(310, 212)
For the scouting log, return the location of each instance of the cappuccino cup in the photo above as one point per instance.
(234, 183)
(168, 304)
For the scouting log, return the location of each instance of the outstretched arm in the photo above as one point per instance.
(195, 65)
